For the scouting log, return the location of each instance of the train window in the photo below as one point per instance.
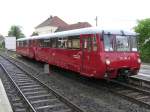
(40, 42)
(69, 43)
(85, 44)
(133, 43)
(24, 43)
(46, 42)
(62, 42)
(53, 42)
(18, 44)
(59, 43)
(34, 42)
(109, 42)
(27, 43)
(21, 43)
(122, 43)
(73, 42)
(88, 43)
(50, 42)
(30, 43)
(94, 43)
(76, 43)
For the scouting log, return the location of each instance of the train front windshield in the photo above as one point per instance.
(120, 43)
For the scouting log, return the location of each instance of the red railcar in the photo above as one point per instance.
(90, 51)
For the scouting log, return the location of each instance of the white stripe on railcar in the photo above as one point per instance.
(90, 30)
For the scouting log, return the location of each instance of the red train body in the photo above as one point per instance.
(90, 51)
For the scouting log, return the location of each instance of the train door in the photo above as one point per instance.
(89, 54)
(31, 52)
(39, 55)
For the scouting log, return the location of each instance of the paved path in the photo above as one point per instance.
(144, 73)
(4, 102)
(145, 70)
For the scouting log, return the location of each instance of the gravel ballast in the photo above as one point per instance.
(77, 89)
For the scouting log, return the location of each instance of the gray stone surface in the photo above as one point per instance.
(4, 102)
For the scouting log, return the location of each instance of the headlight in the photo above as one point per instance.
(107, 62)
(139, 60)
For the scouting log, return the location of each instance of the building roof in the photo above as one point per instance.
(74, 26)
(91, 30)
(52, 21)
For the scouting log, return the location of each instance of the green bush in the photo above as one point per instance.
(145, 53)
(143, 29)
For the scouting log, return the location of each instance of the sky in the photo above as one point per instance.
(112, 14)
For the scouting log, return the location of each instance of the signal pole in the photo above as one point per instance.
(96, 19)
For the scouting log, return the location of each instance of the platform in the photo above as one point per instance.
(145, 66)
(4, 102)
(144, 73)
(141, 76)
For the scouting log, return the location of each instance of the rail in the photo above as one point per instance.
(63, 99)
(127, 91)
(132, 93)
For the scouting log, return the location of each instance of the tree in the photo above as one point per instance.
(143, 28)
(1, 41)
(15, 31)
(35, 34)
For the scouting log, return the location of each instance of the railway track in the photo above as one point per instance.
(37, 95)
(130, 92)
(17, 104)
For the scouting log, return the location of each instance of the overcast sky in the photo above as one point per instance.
(118, 14)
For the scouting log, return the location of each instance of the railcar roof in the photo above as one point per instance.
(90, 30)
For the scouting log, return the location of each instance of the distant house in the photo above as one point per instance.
(55, 24)
(50, 25)
(74, 26)
(10, 43)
